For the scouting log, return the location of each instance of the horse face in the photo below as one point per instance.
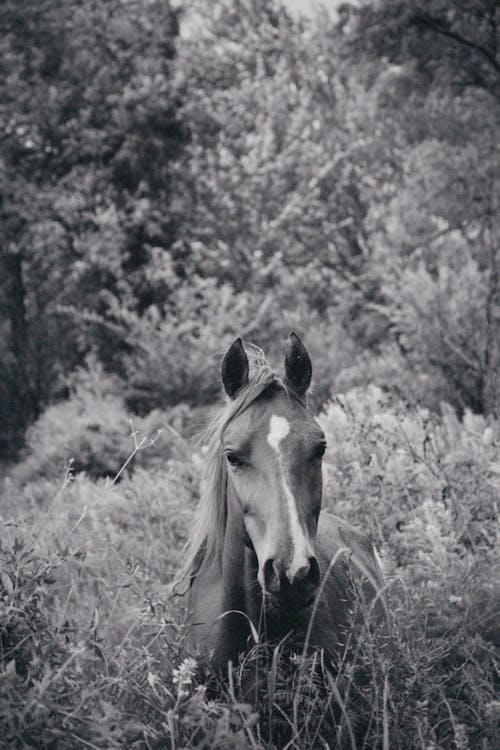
(274, 450)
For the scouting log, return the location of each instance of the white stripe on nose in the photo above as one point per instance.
(279, 428)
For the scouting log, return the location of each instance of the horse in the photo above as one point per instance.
(263, 557)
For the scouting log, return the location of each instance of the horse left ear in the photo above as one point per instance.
(298, 367)
(234, 368)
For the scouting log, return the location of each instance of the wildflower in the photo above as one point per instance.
(183, 675)
(152, 679)
(461, 740)
(492, 711)
(488, 436)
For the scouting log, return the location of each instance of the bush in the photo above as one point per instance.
(426, 489)
(94, 432)
(447, 322)
(89, 652)
(393, 467)
(176, 357)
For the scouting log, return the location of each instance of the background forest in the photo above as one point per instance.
(172, 177)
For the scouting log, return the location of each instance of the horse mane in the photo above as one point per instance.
(206, 542)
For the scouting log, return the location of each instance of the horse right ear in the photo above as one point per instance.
(234, 368)
(298, 368)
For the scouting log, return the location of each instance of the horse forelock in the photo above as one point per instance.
(207, 539)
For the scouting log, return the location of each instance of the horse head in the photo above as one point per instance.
(273, 450)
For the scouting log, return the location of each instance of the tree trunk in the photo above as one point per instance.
(23, 406)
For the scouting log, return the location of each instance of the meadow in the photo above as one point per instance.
(92, 643)
(172, 176)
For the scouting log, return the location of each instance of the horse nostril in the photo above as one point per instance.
(277, 581)
(271, 576)
(302, 573)
(309, 574)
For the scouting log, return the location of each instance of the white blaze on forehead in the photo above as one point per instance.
(279, 428)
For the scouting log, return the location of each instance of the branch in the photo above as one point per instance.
(259, 315)
(461, 354)
(420, 17)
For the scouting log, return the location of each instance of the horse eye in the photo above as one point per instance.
(233, 459)
(319, 451)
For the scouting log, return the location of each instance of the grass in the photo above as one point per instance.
(91, 652)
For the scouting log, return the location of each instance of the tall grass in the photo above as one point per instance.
(92, 649)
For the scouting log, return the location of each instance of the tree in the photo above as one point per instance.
(90, 131)
(451, 42)
(435, 229)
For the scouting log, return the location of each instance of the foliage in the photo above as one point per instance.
(174, 356)
(423, 463)
(451, 41)
(367, 172)
(90, 652)
(162, 193)
(89, 129)
(337, 173)
(93, 432)
(427, 489)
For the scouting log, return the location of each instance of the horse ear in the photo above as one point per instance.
(298, 367)
(234, 368)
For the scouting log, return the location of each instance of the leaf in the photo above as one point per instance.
(11, 667)
(7, 583)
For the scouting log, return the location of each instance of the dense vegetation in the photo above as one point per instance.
(167, 182)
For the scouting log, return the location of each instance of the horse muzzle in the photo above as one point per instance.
(298, 592)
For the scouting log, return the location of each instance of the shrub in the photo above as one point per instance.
(93, 431)
(174, 353)
(176, 356)
(89, 652)
(426, 489)
(393, 465)
(445, 319)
